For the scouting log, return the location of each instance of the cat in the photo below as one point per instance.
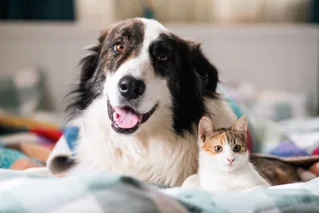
(224, 159)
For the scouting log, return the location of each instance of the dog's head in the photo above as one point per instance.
(142, 71)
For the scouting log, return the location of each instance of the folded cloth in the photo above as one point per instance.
(8, 157)
(304, 132)
(12, 159)
(26, 143)
(288, 149)
(24, 150)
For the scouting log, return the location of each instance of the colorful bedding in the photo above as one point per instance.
(25, 143)
(101, 192)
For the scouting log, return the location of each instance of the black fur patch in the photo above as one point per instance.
(189, 74)
(90, 82)
(190, 78)
(101, 57)
(131, 35)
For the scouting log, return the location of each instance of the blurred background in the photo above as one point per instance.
(267, 51)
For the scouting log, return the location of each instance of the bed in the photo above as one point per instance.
(100, 192)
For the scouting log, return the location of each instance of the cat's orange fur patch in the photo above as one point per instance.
(210, 143)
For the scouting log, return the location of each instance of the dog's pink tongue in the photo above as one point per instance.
(126, 119)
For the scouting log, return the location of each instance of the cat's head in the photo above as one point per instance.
(226, 149)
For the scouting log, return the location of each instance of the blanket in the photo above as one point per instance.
(25, 142)
(101, 192)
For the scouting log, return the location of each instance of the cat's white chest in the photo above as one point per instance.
(244, 179)
(227, 182)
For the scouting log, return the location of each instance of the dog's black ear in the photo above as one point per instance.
(207, 71)
(89, 63)
(90, 78)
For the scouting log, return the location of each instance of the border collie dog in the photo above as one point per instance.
(141, 93)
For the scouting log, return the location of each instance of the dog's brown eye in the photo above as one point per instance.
(119, 47)
(237, 148)
(162, 57)
(218, 148)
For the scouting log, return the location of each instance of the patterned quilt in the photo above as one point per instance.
(99, 192)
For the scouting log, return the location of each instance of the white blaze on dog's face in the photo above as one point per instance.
(145, 74)
(134, 90)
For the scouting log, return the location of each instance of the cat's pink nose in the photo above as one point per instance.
(231, 160)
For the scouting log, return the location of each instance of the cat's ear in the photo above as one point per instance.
(205, 128)
(241, 124)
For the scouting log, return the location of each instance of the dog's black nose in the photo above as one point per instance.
(131, 88)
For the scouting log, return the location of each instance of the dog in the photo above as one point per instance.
(141, 93)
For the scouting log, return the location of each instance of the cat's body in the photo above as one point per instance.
(241, 179)
(224, 159)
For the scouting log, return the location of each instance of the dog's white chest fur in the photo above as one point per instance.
(155, 154)
(244, 179)
(150, 159)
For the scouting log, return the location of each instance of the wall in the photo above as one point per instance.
(270, 56)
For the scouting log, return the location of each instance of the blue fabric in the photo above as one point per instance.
(71, 134)
(288, 149)
(8, 157)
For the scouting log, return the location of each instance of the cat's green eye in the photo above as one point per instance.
(236, 148)
(218, 148)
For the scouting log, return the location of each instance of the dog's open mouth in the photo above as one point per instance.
(125, 120)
